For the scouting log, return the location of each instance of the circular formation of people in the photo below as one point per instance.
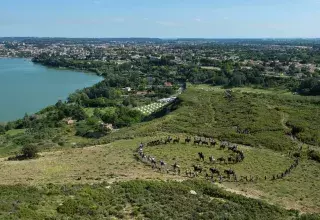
(213, 174)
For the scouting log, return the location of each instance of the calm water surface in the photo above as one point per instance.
(26, 87)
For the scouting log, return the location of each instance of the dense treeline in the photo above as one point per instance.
(148, 72)
(310, 86)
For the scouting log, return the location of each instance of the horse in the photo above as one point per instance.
(201, 156)
(153, 162)
(162, 164)
(168, 140)
(222, 146)
(221, 159)
(141, 153)
(175, 166)
(233, 148)
(229, 172)
(243, 177)
(205, 142)
(213, 142)
(177, 140)
(214, 170)
(230, 159)
(187, 140)
(239, 158)
(220, 178)
(235, 178)
(212, 160)
(197, 168)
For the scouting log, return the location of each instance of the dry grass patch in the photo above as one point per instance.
(113, 162)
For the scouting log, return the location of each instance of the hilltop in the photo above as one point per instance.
(265, 124)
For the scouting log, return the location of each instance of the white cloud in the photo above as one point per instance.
(96, 2)
(197, 19)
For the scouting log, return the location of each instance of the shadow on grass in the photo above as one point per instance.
(164, 110)
(22, 157)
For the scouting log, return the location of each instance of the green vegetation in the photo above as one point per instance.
(242, 91)
(310, 86)
(99, 111)
(2, 129)
(27, 152)
(314, 155)
(270, 118)
(134, 199)
(30, 151)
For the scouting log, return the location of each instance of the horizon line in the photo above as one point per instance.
(165, 38)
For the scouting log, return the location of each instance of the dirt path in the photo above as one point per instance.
(284, 120)
(257, 194)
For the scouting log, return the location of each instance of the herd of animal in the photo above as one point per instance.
(290, 168)
(213, 173)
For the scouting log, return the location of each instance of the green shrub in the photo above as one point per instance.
(314, 155)
(310, 217)
(69, 207)
(145, 199)
(30, 151)
(2, 129)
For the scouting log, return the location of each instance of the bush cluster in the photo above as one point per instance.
(135, 199)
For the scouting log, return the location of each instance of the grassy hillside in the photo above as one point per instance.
(133, 200)
(269, 116)
(299, 190)
(269, 127)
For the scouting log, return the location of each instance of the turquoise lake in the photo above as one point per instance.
(26, 87)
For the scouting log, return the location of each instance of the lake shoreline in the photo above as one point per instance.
(67, 68)
(52, 67)
(54, 84)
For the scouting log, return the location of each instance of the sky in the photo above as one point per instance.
(160, 18)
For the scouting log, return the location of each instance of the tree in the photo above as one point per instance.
(310, 86)
(220, 80)
(97, 113)
(238, 79)
(292, 70)
(59, 104)
(26, 121)
(30, 151)
(10, 126)
(2, 129)
(126, 102)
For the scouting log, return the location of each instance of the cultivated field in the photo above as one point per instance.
(151, 108)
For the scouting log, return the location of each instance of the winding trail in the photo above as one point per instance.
(284, 120)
